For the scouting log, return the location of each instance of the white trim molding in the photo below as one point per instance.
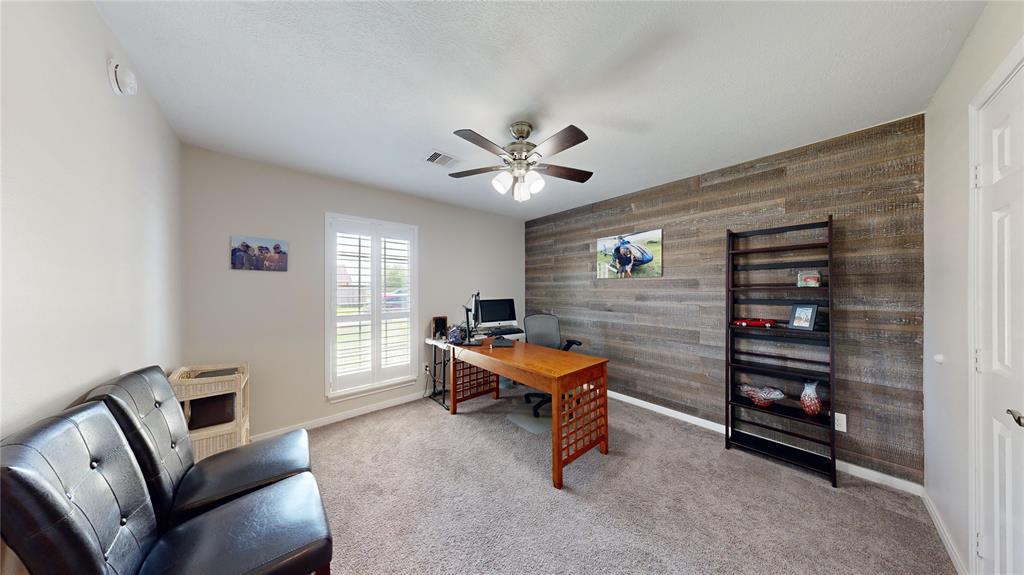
(378, 377)
(947, 539)
(718, 427)
(1011, 65)
(844, 466)
(880, 478)
(371, 389)
(342, 416)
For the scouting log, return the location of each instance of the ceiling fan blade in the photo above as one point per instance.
(474, 138)
(476, 171)
(567, 138)
(565, 173)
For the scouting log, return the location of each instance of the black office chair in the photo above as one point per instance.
(542, 329)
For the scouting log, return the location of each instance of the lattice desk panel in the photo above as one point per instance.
(471, 381)
(583, 418)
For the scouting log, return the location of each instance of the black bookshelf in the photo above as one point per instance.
(764, 430)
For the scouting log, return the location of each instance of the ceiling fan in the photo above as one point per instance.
(522, 169)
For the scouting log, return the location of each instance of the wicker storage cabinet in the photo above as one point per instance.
(215, 399)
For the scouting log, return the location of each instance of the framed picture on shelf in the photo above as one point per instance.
(802, 315)
(439, 329)
(808, 278)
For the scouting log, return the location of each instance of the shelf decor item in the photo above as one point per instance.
(754, 322)
(762, 396)
(456, 335)
(808, 278)
(801, 316)
(439, 326)
(809, 399)
(215, 399)
(758, 417)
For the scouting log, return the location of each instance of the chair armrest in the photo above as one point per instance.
(569, 343)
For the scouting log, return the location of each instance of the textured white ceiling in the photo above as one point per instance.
(365, 91)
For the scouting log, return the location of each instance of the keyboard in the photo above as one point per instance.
(505, 330)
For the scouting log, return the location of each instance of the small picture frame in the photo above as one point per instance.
(808, 278)
(439, 326)
(802, 315)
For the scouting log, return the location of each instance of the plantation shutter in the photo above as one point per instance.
(370, 303)
(354, 334)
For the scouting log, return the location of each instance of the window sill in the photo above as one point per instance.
(371, 388)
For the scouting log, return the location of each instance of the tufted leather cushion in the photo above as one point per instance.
(235, 472)
(73, 498)
(278, 529)
(145, 407)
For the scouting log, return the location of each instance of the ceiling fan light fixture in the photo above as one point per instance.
(534, 182)
(520, 192)
(502, 182)
(522, 170)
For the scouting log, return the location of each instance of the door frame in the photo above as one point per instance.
(1011, 65)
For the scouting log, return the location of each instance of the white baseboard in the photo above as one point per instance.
(342, 416)
(844, 466)
(668, 412)
(879, 477)
(947, 538)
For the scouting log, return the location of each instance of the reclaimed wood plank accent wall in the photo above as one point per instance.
(665, 338)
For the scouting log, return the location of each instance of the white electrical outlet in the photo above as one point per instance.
(841, 422)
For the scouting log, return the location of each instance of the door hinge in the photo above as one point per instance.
(976, 176)
(979, 360)
(977, 545)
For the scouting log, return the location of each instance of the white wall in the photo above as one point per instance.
(275, 321)
(946, 204)
(90, 215)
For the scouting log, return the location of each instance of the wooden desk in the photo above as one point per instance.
(578, 385)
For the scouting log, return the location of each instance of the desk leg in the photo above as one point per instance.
(497, 387)
(453, 386)
(603, 446)
(433, 371)
(556, 437)
(446, 362)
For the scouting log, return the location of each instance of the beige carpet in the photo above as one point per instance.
(412, 489)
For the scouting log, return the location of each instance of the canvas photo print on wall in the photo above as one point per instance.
(259, 254)
(636, 255)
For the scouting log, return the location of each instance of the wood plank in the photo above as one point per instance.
(665, 337)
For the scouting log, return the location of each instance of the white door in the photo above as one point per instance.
(1001, 301)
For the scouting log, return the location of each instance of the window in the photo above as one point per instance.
(371, 287)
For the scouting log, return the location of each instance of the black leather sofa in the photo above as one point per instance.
(145, 408)
(74, 499)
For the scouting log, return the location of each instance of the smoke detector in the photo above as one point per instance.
(122, 79)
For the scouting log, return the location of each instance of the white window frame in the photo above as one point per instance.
(376, 229)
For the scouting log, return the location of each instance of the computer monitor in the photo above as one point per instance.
(495, 312)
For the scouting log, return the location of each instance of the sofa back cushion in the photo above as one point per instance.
(144, 405)
(72, 496)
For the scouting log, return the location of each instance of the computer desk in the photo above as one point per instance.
(578, 385)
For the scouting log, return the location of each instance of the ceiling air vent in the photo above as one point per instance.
(443, 160)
